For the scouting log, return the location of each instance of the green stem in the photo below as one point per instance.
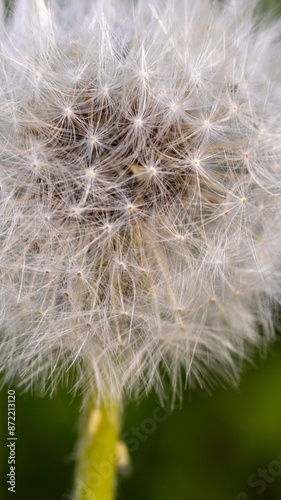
(96, 458)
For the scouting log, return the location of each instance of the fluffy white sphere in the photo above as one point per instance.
(140, 203)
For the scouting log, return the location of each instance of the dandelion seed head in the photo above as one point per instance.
(140, 183)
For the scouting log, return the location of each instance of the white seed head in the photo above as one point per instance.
(140, 200)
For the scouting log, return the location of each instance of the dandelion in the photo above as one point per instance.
(140, 176)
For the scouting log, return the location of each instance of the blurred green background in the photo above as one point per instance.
(226, 446)
(207, 449)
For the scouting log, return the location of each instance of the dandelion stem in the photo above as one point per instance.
(96, 459)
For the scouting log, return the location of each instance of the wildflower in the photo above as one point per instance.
(140, 192)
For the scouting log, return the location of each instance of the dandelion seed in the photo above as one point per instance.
(93, 139)
(196, 162)
(90, 174)
(67, 113)
(138, 122)
(174, 106)
(152, 171)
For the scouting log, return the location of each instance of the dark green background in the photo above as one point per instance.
(207, 450)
